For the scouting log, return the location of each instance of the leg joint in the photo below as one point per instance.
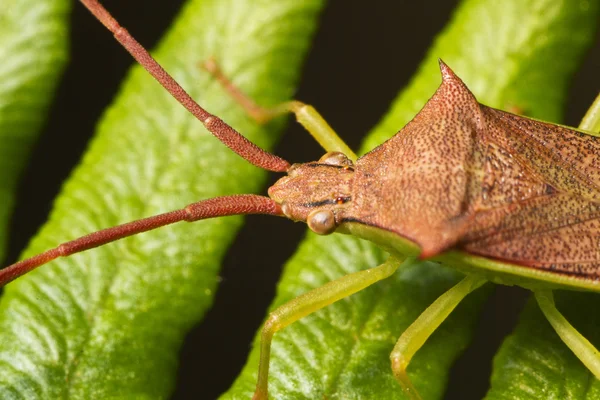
(271, 325)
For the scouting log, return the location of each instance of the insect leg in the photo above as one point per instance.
(419, 331)
(306, 115)
(310, 302)
(582, 348)
(591, 119)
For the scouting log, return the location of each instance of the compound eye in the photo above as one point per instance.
(336, 158)
(322, 222)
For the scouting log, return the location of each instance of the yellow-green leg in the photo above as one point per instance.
(308, 303)
(306, 115)
(419, 331)
(582, 348)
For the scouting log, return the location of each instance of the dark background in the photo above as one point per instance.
(361, 57)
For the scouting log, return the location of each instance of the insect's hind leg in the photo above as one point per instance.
(308, 303)
(582, 348)
(306, 115)
(419, 331)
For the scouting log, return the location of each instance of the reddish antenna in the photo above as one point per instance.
(225, 133)
(210, 208)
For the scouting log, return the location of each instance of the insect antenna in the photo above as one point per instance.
(210, 208)
(225, 133)
(242, 204)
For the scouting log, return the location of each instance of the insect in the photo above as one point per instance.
(339, 168)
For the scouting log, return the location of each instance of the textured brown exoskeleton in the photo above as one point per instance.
(496, 195)
(489, 182)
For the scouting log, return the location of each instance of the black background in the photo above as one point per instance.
(361, 57)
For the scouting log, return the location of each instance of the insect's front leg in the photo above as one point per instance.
(306, 114)
(419, 331)
(308, 303)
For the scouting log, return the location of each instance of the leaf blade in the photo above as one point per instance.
(33, 49)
